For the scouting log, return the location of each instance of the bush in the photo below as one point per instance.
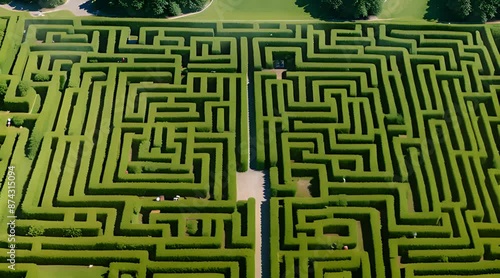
(41, 77)
(33, 144)
(35, 231)
(3, 22)
(174, 9)
(23, 88)
(17, 121)
(337, 245)
(62, 82)
(342, 203)
(192, 226)
(3, 89)
(72, 232)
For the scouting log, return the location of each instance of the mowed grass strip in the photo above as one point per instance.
(252, 10)
(67, 271)
(404, 9)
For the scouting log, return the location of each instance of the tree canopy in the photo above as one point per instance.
(473, 10)
(151, 8)
(352, 9)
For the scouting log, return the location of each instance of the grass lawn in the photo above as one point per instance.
(252, 10)
(67, 271)
(404, 9)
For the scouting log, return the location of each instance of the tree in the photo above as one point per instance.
(473, 10)
(191, 5)
(192, 226)
(352, 9)
(332, 4)
(3, 89)
(460, 8)
(41, 77)
(487, 9)
(135, 169)
(17, 121)
(174, 9)
(157, 7)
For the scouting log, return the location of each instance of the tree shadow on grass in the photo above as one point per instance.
(89, 7)
(315, 9)
(437, 11)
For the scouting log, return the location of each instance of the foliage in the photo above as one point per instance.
(23, 88)
(191, 5)
(34, 231)
(3, 89)
(473, 10)
(72, 232)
(17, 121)
(174, 9)
(352, 9)
(192, 226)
(33, 144)
(41, 77)
(151, 8)
(3, 25)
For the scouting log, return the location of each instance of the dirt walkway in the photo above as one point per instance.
(251, 184)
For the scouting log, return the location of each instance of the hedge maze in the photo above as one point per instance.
(383, 149)
(118, 122)
(381, 142)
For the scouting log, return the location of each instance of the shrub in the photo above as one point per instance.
(41, 77)
(72, 232)
(137, 209)
(192, 226)
(135, 169)
(3, 89)
(35, 231)
(174, 9)
(23, 88)
(17, 121)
